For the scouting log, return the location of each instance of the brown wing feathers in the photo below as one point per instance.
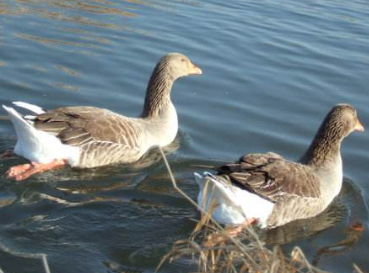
(80, 125)
(68, 127)
(271, 177)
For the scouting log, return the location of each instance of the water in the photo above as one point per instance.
(271, 71)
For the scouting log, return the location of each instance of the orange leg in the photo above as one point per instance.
(13, 171)
(217, 238)
(352, 236)
(233, 231)
(24, 171)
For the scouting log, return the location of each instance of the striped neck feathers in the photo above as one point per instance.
(158, 91)
(325, 148)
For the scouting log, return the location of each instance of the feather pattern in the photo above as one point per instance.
(272, 177)
(95, 136)
(296, 189)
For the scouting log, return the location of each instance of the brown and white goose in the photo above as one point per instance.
(273, 191)
(88, 137)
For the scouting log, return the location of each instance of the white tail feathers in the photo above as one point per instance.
(199, 180)
(18, 121)
(224, 190)
(231, 205)
(36, 145)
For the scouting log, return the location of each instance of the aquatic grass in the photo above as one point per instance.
(212, 249)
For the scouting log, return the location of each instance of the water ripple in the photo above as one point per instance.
(271, 71)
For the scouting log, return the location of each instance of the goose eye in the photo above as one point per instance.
(183, 60)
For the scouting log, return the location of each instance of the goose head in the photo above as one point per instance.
(178, 65)
(340, 121)
(344, 120)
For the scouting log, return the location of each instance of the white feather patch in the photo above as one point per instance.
(39, 146)
(232, 205)
(31, 107)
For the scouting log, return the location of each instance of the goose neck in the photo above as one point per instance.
(157, 98)
(325, 148)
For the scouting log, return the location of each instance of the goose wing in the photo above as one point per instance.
(77, 126)
(272, 177)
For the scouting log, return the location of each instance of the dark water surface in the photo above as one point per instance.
(271, 71)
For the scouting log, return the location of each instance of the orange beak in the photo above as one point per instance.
(359, 127)
(194, 70)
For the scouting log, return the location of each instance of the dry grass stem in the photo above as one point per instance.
(41, 256)
(357, 269)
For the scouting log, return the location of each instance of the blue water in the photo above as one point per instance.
(271, 71)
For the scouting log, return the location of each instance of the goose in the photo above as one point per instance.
(87, 137)
(271, 191)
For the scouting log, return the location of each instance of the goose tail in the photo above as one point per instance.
(22, 126)
(33, 144)
(223, 189)
(231, 204)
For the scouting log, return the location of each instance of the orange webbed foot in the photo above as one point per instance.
(24, 171)
(16, 170)
(233, 231)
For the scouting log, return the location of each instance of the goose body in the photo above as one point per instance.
(279, 190)
(88, 137)
(102, 136)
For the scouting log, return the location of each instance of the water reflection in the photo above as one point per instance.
(92, 7)
(351, 236)
(64, 86)
(49, 41)
(67, 70)
(36, 7)
(280, 59)
(75, 13)
(55, 9)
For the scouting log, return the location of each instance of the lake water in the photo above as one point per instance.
(271, 71)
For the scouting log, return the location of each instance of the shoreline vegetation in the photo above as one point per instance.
(212, 249)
